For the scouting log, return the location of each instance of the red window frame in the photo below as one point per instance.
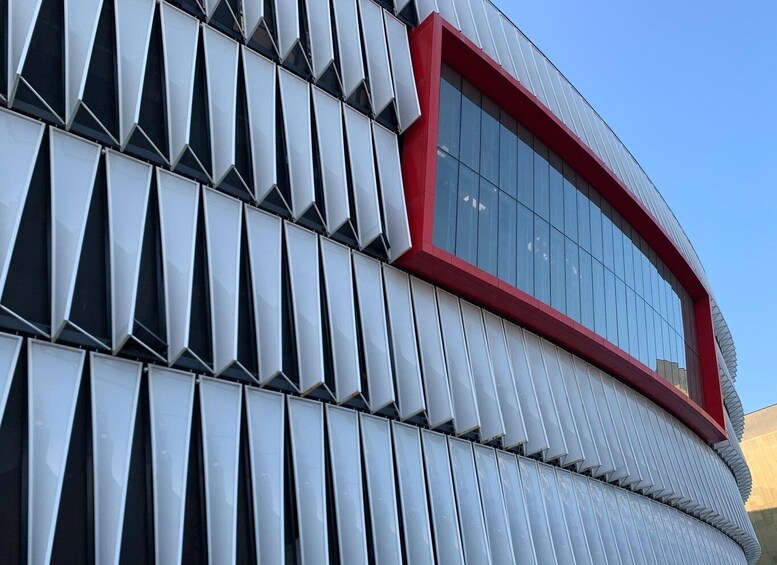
(435, 42)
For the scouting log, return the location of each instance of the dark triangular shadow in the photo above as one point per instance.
(346, 234)
(276, 203)
(409, 15)
(389, 117)
(140, 145)
(233, 184)
(378, 248)
(312, 219)
(297, 61)
(330, 81)
(190, 165)
(360, 99)
(227, 19)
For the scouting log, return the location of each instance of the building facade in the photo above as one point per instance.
(759, 445)
(352, 281)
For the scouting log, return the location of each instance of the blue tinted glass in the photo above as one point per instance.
(450, 112)
(508, 239)
(556, 193)
(610, 306)
(617, 247)
(488, 227)
(607, 255)
(525, 275)
(467, 215)
(600, 316)
(470, 127)
(573, 279)
(631, 314)
(637, 260)
(558, 297)
(508, 155)
(541, 181)
(583, 217)
(628, 256)
(622, 321)
(489, 141)
(525, 186)
(586, 291)
(445, 202)
(642, 331)
(596, 227)
(541, 247)
(570, 204)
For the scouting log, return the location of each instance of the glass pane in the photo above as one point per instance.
(623, 326)
(541, 249)
(556, 192)
(541, 180)
(489, 141)
(570, 203)
(470, 126)
(450, 111)
(583, 216)
(557, 274)
(445, 202)
(573, 279)
(610, 306)
(586, 291)
(596, 226)
(488, 226)
(525, 168)
(467, 215)
(508, 233)
(525, 223)
(600, 316)
(508, 155)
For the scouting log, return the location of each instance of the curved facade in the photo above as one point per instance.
(308, 282)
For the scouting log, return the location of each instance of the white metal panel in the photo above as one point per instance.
(10, 346)
(392, 191)
(513, 42)
(550, 416)
(349, 46)
(537, 438)
(253, 14)
(264, 253)
(627, 519)
(425, 7)
(320, 29)
(302, 250)
(81, 18)
(510, 406)
(341, 314)
(374, 36)
(306, 422)
(436, 387)
(381, 490)
(331, 146)
(610, 396)
(288, 32)
(295, 98)
(115, 387)
(171, 401)
(134, 19)
(574, 452)
(491, 422)
(445, 519)
(53, 380)
(20, 140)
(575, 397)
(260, 83)
(448, 11)
(223, 229)
(618, 459)
(129, 184)
(22, 15)
(73, 170)
(515, 505)
(603, 522)
(562, 545)
(583, 500)
(605, 464)
(484, 30)
(365, 189)
(494, 513)
(616, 521)
(179, 200)
(412, 494)
(574, 521)
(466, 19)
(220, 408)
(466, 417)
(221, 57)
(180, 35)
(404, 345)
(500, 42)
(535, 507)
(345, 462)
(473, 528)
(266, 444)
(372, 313)
(408, 107)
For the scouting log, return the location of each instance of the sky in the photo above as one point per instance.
(690, 87)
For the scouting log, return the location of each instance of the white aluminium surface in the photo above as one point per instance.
(81, 18)
(260, 82)
(10, 347)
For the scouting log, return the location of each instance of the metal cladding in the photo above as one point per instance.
(206, 353)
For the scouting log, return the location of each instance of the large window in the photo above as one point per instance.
(508, 204)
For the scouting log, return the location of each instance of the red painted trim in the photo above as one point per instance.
(436, 41)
